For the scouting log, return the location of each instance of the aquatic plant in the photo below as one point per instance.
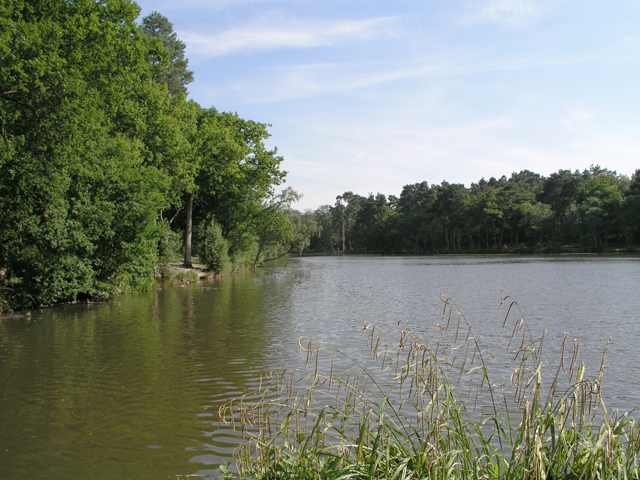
(446, 411)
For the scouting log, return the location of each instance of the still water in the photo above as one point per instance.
(130, 388)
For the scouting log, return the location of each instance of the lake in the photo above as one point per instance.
(130, 388)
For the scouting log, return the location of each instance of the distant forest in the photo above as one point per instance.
(593, 210)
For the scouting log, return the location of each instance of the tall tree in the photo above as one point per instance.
(167, 53)
(598, 200)
(271, 225)
(485, 215)
(236, 176)
(304, 227)
(449, 208)
(416, 206)
(79, 189)
(631, 209)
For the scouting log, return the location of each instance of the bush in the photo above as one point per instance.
(214, 249)
(170, 247)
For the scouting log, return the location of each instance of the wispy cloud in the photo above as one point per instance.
(512, 12)
(578, 115)
(270, 34)
(402, 152)
(306, 81)
(168, 6)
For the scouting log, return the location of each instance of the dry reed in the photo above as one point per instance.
(442, 411)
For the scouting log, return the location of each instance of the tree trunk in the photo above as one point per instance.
(255, 264)
(446, 236)
(187, 233)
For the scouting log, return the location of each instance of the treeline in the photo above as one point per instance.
(590, 210)
(106, 166)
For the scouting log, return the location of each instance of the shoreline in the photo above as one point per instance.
(543, 251)
(175, 274)
(170, 274)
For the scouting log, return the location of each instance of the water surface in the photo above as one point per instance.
(130, 388)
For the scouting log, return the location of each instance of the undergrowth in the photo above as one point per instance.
(441, 411)
(174, 276)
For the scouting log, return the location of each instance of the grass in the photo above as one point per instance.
(176, 275)
(441, 411)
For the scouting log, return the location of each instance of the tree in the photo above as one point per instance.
(326, 240)
(558, 191)
(304, 227)
(369, 223)
(449, 209)
(271, 225)
(346, 209)
(631, 209)
(87, 153)
(485, 215)
(534, 219)
(167, 53)
(234, 185)
(599, 200)
(236, 171)
(416, 207)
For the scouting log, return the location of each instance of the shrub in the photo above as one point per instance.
(170, 247)
(214, 249)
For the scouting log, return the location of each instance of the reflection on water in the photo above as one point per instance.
(131, 388)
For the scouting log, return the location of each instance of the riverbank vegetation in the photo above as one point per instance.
(448, 409)
(592, 210)
(107, 168)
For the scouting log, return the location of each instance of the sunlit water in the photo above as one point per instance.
(131, 388)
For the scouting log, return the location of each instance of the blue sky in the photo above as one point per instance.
(369, 96)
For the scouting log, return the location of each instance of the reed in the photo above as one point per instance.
(441, 411)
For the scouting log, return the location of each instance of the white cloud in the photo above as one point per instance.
(306, 81)
(401, 141)
(577, 115)
(270, 34)
(630, 42)
(168, 6)
(511, 12)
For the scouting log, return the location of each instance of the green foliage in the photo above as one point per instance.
(170, 246)
(599, 200)
(235, 208)
(99, 145)
(592, 210)
(135, 271)
(304, 226)
(90, 150)
(535, 219)
(214, 249)
(167, 53)
(236, 172)
(630, 210)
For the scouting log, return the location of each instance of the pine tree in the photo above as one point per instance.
(167, 59)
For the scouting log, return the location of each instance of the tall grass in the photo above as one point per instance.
(441, 411)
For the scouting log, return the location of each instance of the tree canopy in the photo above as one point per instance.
(167, 53)
(99, 146)
(590, 210)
